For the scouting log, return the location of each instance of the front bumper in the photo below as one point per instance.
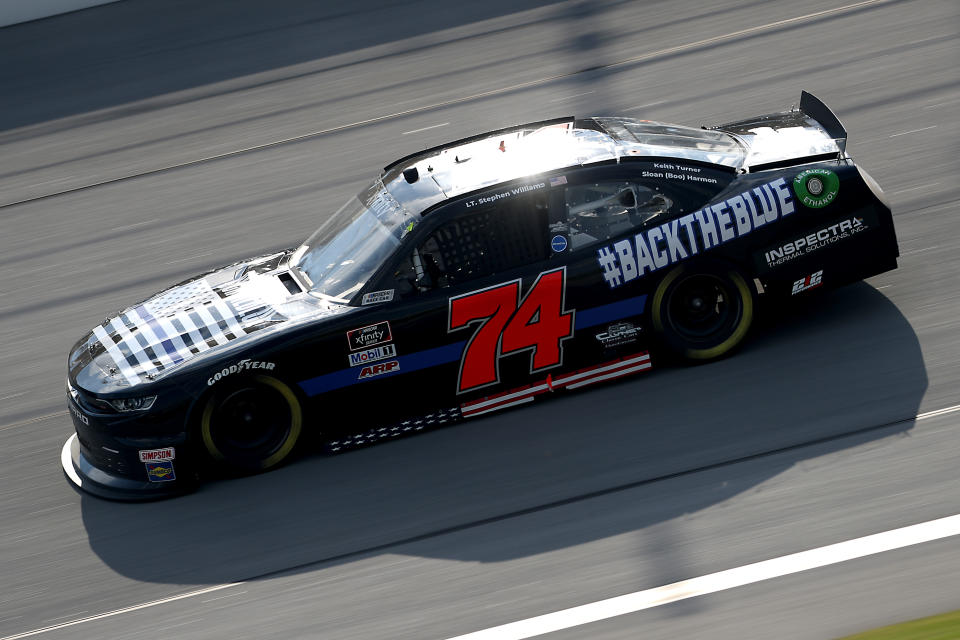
(104, 484)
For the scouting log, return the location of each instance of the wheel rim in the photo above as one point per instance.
(252, 426)
(703, 309)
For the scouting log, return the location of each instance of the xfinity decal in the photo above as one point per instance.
(366, 337)
(676, 240)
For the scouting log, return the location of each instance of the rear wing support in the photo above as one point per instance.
(812, 106)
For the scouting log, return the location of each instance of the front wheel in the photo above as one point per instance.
(251, 424)
(702, 314)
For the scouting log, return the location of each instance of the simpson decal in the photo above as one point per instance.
(676, 240)
(366, 337)
(157, 455)
(816, 188)
(809, 243)
(372, 355)
(376, 297)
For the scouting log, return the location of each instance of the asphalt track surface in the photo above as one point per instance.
(142, 142)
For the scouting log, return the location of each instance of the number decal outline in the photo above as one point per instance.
(482, 323)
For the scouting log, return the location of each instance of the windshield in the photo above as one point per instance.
(348, 248)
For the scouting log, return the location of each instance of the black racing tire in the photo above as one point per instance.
(702, 313)
(251, 424)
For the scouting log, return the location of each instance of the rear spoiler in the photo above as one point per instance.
(812, 106)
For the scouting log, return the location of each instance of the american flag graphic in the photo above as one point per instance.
(170, 328)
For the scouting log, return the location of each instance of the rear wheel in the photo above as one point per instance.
(251, 424)
(702, 314)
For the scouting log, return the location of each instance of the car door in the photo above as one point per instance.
(482, 298)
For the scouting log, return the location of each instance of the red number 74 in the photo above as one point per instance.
(505, 325)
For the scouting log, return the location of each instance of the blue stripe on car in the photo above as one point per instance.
(449, 353)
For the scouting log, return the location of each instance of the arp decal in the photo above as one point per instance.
(160, 471)
(810, 282)
(504, 324)
(378, 369)
(366, 337)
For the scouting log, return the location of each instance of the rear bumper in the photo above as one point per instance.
(103, 484)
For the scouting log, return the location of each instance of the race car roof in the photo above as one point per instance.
(422, 180)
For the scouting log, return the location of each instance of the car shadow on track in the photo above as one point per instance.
(817, 379)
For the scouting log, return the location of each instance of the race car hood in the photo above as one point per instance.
(191, 321)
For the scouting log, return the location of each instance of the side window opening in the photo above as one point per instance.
(600, 211)
(493, 238)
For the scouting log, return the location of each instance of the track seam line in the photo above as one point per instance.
(453, 101)
(482, 522)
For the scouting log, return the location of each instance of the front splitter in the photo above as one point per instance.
(97, 482)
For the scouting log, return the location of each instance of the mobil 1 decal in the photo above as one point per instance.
(504, 324)
(675, 240)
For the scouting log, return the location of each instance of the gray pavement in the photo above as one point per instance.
(112, 186)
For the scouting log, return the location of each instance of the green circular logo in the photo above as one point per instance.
(816, 188)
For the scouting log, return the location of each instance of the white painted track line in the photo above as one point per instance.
(720, 581)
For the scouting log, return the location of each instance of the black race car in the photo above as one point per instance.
(472, 277)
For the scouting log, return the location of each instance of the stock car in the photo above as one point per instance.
(472, 277)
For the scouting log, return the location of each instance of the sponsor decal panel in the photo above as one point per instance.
(243, 365)
(812, 281)
(376, 297)
(160, 471)
(157, 455)
(373, 370)
(666, 244)
(607, 371)
(372, 355)
(816, 188)
(371, 335)
(809, 243)
(618, 333)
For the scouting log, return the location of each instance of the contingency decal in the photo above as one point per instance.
(376, 297)
(373, 370)
(816, 188)
(372, 355)
(243, 365)
(702, 230)
(157, 455)
(366, 337)
(505, 324)
(160, 471)
(607, 371)
(810, 282)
